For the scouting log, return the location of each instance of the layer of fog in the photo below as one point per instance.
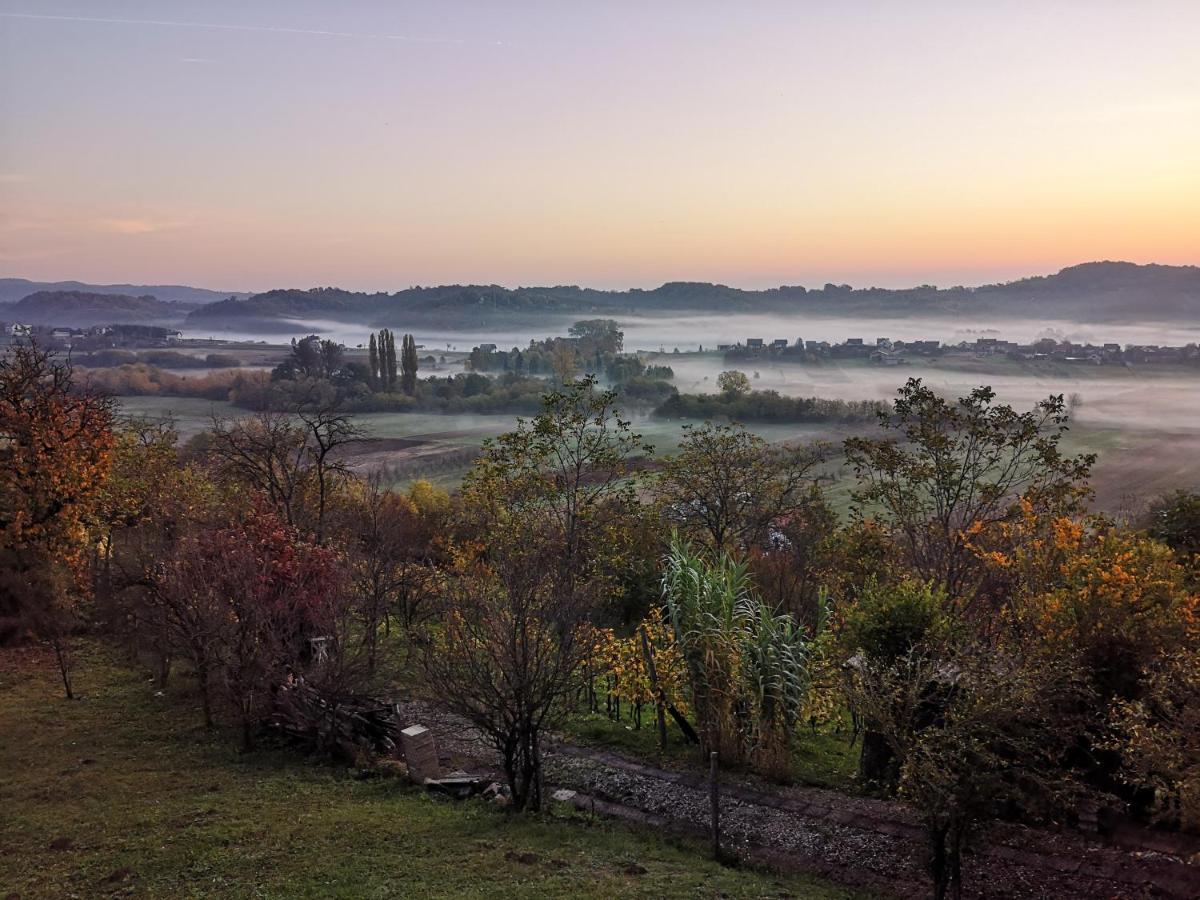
(1147, 398)
(690, 332)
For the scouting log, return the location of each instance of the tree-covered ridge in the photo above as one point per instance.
(1091, 291)
(82, 308)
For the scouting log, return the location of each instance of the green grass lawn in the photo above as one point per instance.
(123, 793)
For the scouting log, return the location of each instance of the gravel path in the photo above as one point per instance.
(871, 844)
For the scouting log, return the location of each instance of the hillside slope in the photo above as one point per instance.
(81, 309)
(1097, 292)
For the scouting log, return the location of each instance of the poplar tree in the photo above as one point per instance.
(373, 361)
(389, 354)
(408, 362)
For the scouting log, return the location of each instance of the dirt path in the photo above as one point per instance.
(873, 845)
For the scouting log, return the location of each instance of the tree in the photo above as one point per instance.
(973, 730)
(508, 651)
(148, 500)
(1158, 736)
(389, 359)
(1175, 520)
(311, 357)
(56, 439)
(598, 336)
(393, 547)
(732, 488)
(563, 362)
(733, 383)
(291, 459)
(541, 526)
(960, 471)
(243, 601)
(408, 363)
(571, 465)
(373, 362)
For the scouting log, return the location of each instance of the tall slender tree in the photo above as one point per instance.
(373, 361)
(408, 365)
(391, 360)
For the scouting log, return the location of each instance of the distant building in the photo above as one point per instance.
(854, 342)
(487, 348)
(754, 343)
(887, 358)
(780, 344)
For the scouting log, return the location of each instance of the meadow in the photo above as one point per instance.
(1143, 424)
(123, 793)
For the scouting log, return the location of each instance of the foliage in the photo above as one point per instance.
(767, 407)
(569, 466)
(55, 453)
(973, 733)
(408, 364)
(733, 383)
(732, 489)
(1159, 736)
(748, 668)
(292, 459)
(886, 623)
(960, 468)
(620, 663)
(311, 357)
(505, 657)
(1175, 520)
(243, 602)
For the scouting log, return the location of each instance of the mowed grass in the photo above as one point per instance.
(123, 793)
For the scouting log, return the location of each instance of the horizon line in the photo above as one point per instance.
(623, 290)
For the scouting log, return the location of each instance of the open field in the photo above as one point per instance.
(122, 793)
(1136, 462)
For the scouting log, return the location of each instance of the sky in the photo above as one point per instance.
(377, 145)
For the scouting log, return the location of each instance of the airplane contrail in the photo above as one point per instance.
(216, 26)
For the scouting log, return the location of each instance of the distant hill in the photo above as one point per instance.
(82, 309)
(1092, 292)
(14, 289)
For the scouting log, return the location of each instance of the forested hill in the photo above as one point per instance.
(1099, 291)
(14, 289)
(81, 309)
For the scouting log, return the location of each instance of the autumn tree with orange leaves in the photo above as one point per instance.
(55, 443)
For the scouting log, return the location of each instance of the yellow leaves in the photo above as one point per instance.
(621, 663)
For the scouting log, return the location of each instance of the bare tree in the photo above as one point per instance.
(291, 458)
(506, 658)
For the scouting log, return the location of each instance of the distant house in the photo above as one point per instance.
(854, 342)
(779, 344)
(19, 330)
(887, 358)
(883, 343)
(61, 334)
(724, 348)
(754, 343)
